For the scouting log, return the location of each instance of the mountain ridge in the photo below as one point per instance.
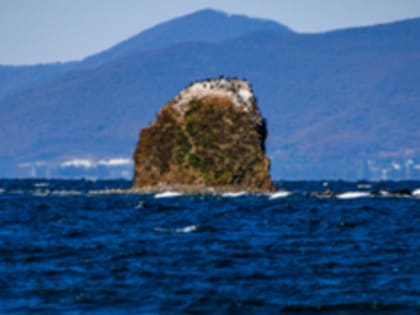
(328, 97)
(186, 30)
(187, 27)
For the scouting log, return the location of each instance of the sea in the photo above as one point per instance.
(89, 247)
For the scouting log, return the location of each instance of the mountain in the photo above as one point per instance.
(14, 79)
(340, 104)
(205, 26)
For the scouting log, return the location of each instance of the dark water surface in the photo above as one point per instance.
(65, 249)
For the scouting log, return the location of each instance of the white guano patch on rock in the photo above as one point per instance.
(239, 91)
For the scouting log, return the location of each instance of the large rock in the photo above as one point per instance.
(208, 138)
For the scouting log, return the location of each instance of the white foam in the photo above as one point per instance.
(364, 186)
(416, 192)
(384, 193)
(234, 194)
(168, 194)
(41, 193)
(353, 195)
(2, 190)
(280, 194)
(140, 205)
(108, 191)
(66, 192)
(187, 229)
(43, 184)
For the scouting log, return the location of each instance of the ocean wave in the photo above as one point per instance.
(113, 191)
(186, 229)
(280, 194)
(234, 194)
(179, 243)
(381, 190)
(40, 193)
(364, 186)
(168, 194)
(140, 205)
(60, 193)
(67, 192)
(42, 184)
(353, 195)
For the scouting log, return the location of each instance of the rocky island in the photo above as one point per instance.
(208, 139)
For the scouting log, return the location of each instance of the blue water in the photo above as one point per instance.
(65, 249)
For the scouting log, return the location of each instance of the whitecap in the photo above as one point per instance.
(168, 194)
(2, 190)
(364, 186)
(66, 192)
(280, 194)
(107, 191)
(234, 194)
(353, 195)
(42, 184)
(187, 229)
(140, 205)
(41, 193)
(416, 192)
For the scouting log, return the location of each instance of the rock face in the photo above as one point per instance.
(209, 138)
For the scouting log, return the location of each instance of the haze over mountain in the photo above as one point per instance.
(342, 104)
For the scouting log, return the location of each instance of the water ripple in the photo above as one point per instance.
(74, 252)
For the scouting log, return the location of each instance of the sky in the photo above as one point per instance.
(42, 31)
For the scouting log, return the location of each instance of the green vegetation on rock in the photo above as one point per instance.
(210, 141)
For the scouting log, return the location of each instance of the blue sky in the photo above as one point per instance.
(39, 31)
